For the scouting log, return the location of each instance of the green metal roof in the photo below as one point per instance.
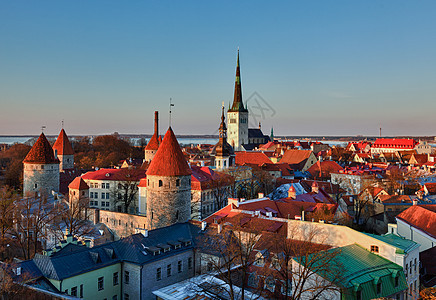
(362, 270)
(403, 245)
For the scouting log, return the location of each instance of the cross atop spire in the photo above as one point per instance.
(237, 98)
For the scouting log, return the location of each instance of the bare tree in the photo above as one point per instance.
(125, 189)
(228, 253)
(221, 189)
(73, 218)
(7, 208)
(304, 278)
(33, 215)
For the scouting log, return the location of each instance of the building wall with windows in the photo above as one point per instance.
(40, 177)
(87, 285)
(150, 280)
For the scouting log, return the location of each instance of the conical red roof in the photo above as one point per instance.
(153, 144)
(63, 145)
(169, 159)
(78, 184)
(41, 152)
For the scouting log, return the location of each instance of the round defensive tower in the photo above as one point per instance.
(41, 169)
(168, 185)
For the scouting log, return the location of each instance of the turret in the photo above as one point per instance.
(153, 144)
(168, 185)
(64, 152)
(41, 169)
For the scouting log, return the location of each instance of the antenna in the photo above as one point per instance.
(43, 127)
(62, 123)
(171, 104)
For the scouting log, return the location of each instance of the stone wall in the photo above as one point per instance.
(66, 162)
(40, 178)
(121, 224)
(168, 200)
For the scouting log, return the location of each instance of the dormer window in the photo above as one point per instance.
(374, 248)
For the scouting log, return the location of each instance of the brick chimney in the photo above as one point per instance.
(292, 193)
(156, 123)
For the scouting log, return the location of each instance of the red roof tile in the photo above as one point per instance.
(41, 152)
(251, 157)
(395, 143)
(422, 217)
(143, 182)
(293, 157)
(169, 159)
(327, 167)
(63, 145)
(78, 184)
(115, 174)
(153, 143)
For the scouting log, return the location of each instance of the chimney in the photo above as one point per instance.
(233, 201)
(96, 216)
(156, 123)
(220, 228)
(145, 232)
(261, 195)
(203, 225)
(315, 188)
(415, 202)
(88, 243)
(292, 193)
(302, 216)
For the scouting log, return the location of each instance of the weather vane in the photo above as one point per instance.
(43, 127)
(171, 104)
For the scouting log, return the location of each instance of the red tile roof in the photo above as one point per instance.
(422, 217)
(431, 188)
(143, 182)
(395, 143)
(63, 145)
(153, 143)
(251, 157)
(293, 157)
(41, 152)
(115, 174)
(327, 167)
(78, 184)
(169, 159)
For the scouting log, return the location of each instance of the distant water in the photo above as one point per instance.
(14, 139)
(184, 141)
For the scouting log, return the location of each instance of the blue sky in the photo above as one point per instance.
(321, 67)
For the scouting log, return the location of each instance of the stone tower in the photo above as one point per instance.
(223, 153)
(78, 190)
(153, 144)
(237, 116)
(41, 169)
(64, 152)
(168, 185)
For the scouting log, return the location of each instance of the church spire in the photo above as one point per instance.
(223, 128)
(238, 105)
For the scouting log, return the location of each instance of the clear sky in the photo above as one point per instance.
(318, 67)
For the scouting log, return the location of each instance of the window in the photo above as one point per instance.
(126, 296)
(100, 283)
(115, 297)
(397, 281)
(179, 266)
(158, 274)
(379, 288)
(270, 284)
(374, 248)
(415, 265)
(169, 270)
(115, 278)
(160, 183)
(81, 291)
(359, 295)
(189, 262)
(126, 277)
(74, 291)
(253, 280)
(177, 182)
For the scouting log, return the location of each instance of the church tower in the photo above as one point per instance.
(223, 152)
(153, 144)
(64, 152)
(168, 185)
(41, 169)
(237, 116)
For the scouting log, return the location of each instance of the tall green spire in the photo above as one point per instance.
(238, 105)
(272, 134)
